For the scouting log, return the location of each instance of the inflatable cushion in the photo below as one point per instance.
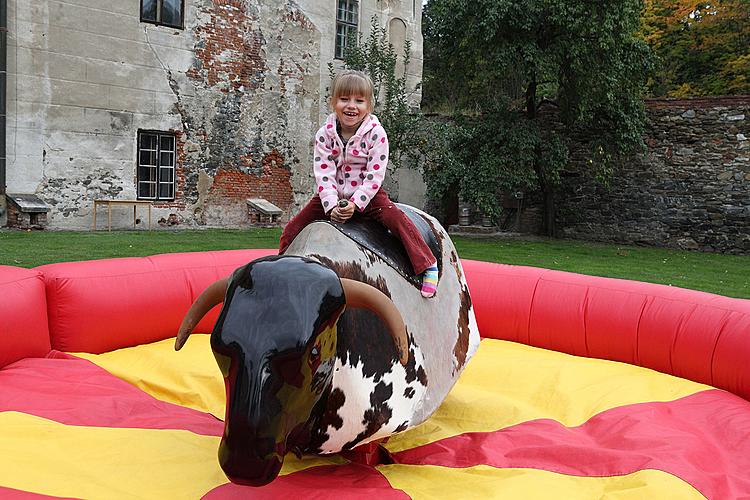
(521, 422)
(102, 305)
(695, 335)
(23, 315)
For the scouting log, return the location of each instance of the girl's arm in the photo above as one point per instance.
(324, 168)
(377, 162)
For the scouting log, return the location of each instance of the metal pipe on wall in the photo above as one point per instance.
(3, 89)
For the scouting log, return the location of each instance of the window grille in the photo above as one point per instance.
(164, 12)
(156, 165)
(347, 18)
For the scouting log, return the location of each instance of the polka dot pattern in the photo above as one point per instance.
(355, 172)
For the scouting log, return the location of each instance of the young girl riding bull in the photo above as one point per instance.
(350, 160)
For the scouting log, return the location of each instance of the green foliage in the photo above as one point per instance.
(703, 49)
(504, 62)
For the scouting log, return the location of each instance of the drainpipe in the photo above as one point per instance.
(3, 87)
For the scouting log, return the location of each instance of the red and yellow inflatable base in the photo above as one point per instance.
(522, 422)
(143, 421)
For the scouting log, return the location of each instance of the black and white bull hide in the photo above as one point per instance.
(307, 374)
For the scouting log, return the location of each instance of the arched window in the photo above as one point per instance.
(397, 38)
(347, 19)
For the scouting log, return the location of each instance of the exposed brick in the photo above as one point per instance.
(229, 47)
(232, 185)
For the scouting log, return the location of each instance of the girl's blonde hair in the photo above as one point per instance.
(351, 82)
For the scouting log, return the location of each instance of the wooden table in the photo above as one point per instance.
(109, 204)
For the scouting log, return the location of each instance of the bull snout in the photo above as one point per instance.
(255, 464)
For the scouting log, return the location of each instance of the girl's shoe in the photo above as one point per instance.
(430, 281)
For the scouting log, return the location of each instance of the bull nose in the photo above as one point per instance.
(244, 467)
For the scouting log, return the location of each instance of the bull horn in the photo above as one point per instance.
(362, 295)
(210, 297)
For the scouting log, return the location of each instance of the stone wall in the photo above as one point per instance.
(690, 190)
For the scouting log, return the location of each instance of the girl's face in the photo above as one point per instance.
(350, 110)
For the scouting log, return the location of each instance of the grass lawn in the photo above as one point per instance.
(723, 274)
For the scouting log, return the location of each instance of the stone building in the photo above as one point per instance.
(195, 105)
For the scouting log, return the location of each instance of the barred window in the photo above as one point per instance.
(347, 16)
(166, 12)
(156, 165)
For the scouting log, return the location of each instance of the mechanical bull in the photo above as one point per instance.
(331, 345)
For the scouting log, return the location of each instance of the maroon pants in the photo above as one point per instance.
(382, 209)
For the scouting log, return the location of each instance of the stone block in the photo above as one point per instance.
(91, 145)
(120, 6)
(105, 121)
(34, 88)
(166, 37)
(99, 47)
(52, 12)
(165, 103)
(39, 62)
(133, 100)
(157, 122)
(25, 172)
(79, 94)
(122, 74)
(118, 25)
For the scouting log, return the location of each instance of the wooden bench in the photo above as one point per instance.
(134, 203)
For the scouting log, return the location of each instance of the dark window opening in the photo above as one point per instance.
(347, 17)
(156, 165)
(164, 12)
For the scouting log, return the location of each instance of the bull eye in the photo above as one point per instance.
(315, 352)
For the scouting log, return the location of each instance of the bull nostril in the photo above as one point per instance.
(244, 466)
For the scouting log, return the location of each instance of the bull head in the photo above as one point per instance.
(275, 343)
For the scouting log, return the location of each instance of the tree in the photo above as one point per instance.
(500, 62)
(703, 48)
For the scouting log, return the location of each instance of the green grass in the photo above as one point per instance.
(723, 274)
(717, 273)
(34, 248)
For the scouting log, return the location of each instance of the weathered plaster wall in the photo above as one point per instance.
(241, 85)
(253, 110)
(690, 190)
(238, 84)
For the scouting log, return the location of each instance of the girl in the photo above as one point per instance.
(351, 155)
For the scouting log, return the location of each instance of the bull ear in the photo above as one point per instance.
(211, 296)
(362, 295)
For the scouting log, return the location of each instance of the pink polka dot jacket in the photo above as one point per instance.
(354, 171)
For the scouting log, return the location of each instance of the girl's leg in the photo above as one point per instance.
(311, 212)
(423, 262)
